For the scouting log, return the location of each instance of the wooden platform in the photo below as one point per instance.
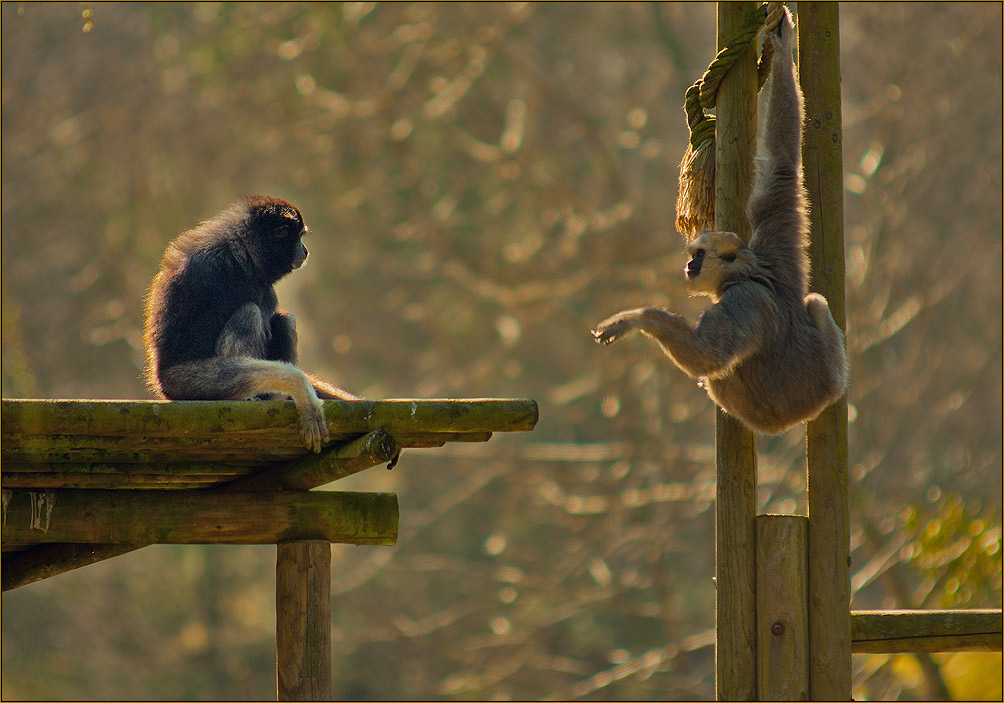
(89, 480)
(84, 480)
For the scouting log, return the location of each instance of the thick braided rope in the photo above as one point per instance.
(701, 95)
(695, 205)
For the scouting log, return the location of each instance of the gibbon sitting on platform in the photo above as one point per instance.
(212, 328)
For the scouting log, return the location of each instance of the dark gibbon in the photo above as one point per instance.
(767, 351)
(212, 328)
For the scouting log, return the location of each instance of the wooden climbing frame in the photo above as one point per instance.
(89, 480)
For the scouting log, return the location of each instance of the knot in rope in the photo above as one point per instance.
(695, 206)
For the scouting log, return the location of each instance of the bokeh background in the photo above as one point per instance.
(484, 183)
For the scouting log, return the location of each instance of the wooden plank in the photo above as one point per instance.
(316, 470)
(985, 642)
(223, 469)
(152, 418)
(735, 509)
(53, 479)
(198, 517)
(826, 437)
(891, 631)
(26, 452)
(782, 607)
(46, 560)
(303, 621)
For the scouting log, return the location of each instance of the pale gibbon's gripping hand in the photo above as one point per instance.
(212, 329)
(767, 351)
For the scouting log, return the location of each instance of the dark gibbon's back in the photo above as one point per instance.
(212, 328)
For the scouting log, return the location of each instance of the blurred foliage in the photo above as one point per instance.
(483, 183)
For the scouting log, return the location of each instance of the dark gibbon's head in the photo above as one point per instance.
(717, 260)
(268, 235)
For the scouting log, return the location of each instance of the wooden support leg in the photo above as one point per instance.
(782, 607)
(303, 621)
(735, 562)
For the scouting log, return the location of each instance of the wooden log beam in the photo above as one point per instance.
(316, 470)
(782, 608)
(46, 560)
(198, 517)
(892, 631)
(826, 436)
(735, 446)
(155, 418)
(303, 621)
(30, 452)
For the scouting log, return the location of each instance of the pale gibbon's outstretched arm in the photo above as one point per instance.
(766, 352)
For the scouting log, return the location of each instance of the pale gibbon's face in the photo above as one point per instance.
(717, 259)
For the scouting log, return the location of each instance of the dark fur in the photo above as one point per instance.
(212, 328)
(767, 351)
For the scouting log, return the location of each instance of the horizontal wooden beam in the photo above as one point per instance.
(46, 560)
(891, 631)
(316, 470)
(152, 418)
(198, 517)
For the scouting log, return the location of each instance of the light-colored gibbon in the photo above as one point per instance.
(767, 351)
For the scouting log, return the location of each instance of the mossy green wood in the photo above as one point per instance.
(826, 436)
(46, 560)
(735, 510)
(889, 631)
(314, 470)
(198, 517)
(267, 420)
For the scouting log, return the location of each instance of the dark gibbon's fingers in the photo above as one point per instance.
(287, 378)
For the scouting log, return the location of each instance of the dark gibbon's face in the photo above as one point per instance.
(716, 259)
(278, 229)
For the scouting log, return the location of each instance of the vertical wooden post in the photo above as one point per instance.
(782, 607)
(303, 621)
(826, 437)
(735, 507)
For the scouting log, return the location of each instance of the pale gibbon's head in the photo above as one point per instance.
(717, 260)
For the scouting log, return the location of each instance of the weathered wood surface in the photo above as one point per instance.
(735, 509)
(303, 621)
(198, 517)
(160, 444)
(215, 445)
(42, 561)
(266, 420)
(890, 631)
(782, 608)
(315, 470)
(826, 436)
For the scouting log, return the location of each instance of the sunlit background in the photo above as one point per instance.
(483, 183)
